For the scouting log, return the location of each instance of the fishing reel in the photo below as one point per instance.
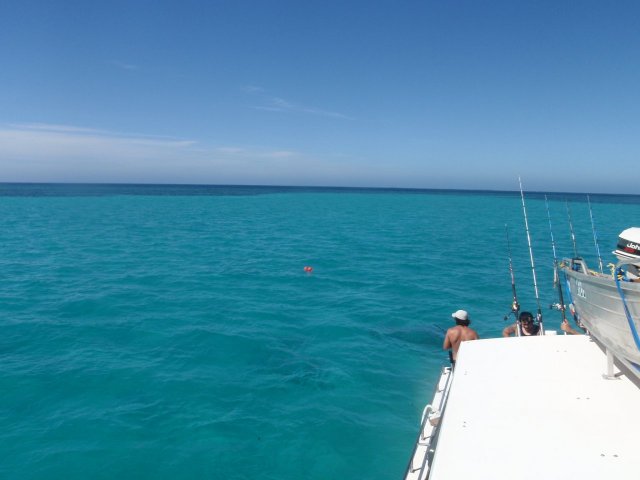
(515, 308)
(561, 308)
(570, 308)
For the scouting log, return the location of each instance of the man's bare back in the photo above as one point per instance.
(455, 336)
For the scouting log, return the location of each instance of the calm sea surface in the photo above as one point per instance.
(172, 332)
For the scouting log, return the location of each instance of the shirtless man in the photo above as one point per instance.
(458, 334)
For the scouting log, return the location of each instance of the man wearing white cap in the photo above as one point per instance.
(458, 334)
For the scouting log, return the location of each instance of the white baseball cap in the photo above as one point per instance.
(461, 315)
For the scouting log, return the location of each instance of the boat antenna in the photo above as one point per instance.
(595, 234)
(515, 306)
(533, 266)
(556, 273)
(573, 236)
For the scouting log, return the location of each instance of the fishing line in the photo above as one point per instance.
(595, 234)
(556, 273)
(515, 306)
(573, 236)
(533, 266)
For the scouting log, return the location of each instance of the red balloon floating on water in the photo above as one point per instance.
(308, 269)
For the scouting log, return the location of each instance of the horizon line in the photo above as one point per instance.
(313, 187)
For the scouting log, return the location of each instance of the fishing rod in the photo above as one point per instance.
(556, 273)
(533, 266)
(573, 236)
(595, 234)
(515, 306)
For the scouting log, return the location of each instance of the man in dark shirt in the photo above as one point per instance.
(527, 326)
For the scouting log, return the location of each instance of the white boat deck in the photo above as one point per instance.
(537, 408)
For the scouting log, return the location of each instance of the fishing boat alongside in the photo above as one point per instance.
(608, 305)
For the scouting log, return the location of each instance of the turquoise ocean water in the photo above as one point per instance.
(172, 332)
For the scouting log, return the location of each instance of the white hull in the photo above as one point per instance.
(420, 463)
(600, 309)
(537, 408)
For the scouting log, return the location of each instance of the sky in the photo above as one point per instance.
(415, 94)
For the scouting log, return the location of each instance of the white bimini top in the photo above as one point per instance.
(537, 408)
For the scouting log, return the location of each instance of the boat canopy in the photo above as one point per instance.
(536, 408)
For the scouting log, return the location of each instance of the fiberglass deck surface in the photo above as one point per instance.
(537, 408)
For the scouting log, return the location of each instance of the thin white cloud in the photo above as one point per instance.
(124, 66)
(38, 151)
(55, 128)
(280, 154)
(257, 153)
(277, 104)
(231, 150)
(64, 153)
(325, 113)
(252, 89)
